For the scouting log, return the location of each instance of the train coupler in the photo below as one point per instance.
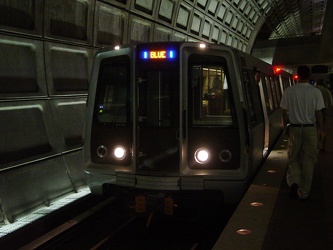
(158, 203)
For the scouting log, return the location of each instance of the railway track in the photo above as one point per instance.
(110, 224)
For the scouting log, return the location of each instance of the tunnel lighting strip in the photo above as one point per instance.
(39, 213)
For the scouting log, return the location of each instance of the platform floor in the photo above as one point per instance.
(268, 219)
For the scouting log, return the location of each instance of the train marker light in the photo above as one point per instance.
(119, 152)
(102, 151)
(202, 45)
(277, 70)
(201, 156)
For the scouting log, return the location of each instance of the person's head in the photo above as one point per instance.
(303, 72)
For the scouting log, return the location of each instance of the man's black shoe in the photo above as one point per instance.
(293, 191)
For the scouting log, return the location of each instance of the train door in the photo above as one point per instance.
(158, 117)
(255, 117)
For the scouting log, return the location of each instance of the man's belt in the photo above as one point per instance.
(302, 125)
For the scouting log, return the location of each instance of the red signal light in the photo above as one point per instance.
(295, 77)
(277, 70)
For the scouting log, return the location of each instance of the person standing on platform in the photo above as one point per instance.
(328, 104)
(301, 105)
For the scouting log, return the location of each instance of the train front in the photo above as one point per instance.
(163, 124)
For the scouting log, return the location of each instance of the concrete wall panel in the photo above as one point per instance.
(75, 168)
(68, 69)
(26, 132)
(166, 11)
(161, 34)
(33, 185)
(140, 30)
(69, 20)
(22, 16)
(22, 71)
(183, 16)
(69, 117)
(110, 25)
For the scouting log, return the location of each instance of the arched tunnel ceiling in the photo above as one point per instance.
(295, 32)
(291, 18)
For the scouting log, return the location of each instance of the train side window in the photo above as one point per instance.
(112, 98)
(209, 92)
(272, 83)
(270, 94)
(266, 94)
(278, 91)
(249, 97)
(253, 98)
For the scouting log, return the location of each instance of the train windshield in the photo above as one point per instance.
(158, 96)
(210, 93)
(112, 99)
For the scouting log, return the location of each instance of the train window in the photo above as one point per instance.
(272, 82)
(249, 97)
(270, 94)
(278, 91)
(285, 82)
(267, 94)
(112, 98)
(253, 98)
(210, 95)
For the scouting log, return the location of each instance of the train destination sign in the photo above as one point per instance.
(158, 54)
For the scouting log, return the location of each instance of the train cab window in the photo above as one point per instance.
(209, 92)
(112, 99)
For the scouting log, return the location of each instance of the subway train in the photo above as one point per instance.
(179, 120)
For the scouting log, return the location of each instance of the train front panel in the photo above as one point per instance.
(167, 117)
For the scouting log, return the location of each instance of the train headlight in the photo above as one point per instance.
(119, 152)
(201, 156)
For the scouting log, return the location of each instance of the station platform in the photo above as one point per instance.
(268, 219)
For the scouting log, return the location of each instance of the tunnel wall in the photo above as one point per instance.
(46, 55)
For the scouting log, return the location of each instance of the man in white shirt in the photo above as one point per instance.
(302, 104)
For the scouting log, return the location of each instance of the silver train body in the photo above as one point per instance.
(178, 118)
